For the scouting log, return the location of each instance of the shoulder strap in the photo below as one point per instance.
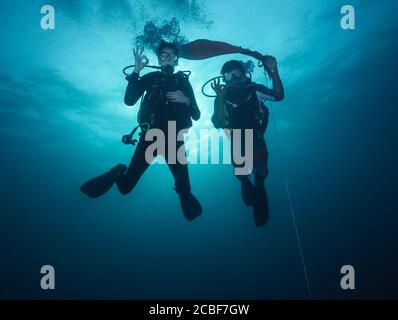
(183, 75)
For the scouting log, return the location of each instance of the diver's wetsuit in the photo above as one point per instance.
(244, 109)
(127, 181)
(155, 112)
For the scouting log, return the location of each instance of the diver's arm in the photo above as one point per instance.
(137, 86)
(218, 117)
(219, 112)
(187, 99)
(193, 106)
(279, 92)
(271, 67)
(135, 89)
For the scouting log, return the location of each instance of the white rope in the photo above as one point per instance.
(290, 200)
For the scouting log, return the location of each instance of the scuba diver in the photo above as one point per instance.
(239, 104)
(168, 97)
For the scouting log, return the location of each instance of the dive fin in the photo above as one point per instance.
(247, 191)
(190, 206)
(98, 186)
(260, 205)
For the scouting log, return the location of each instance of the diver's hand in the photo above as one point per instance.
(218, 88)
(141, 61)
(270, 64)
(178, 96)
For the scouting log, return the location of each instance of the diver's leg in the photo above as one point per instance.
(190, 205)
(260, 207)
(127, 181)
(247, 188)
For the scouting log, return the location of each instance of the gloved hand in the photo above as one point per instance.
(270, 65)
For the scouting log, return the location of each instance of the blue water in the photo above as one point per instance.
(334, 139)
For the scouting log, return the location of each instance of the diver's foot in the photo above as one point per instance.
(190, 206)
(100, 185)
(247, 192)
(260, 206)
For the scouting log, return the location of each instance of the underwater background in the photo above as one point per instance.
(332, 144)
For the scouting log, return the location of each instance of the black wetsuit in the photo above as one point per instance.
(244, 109)
(157, 111)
